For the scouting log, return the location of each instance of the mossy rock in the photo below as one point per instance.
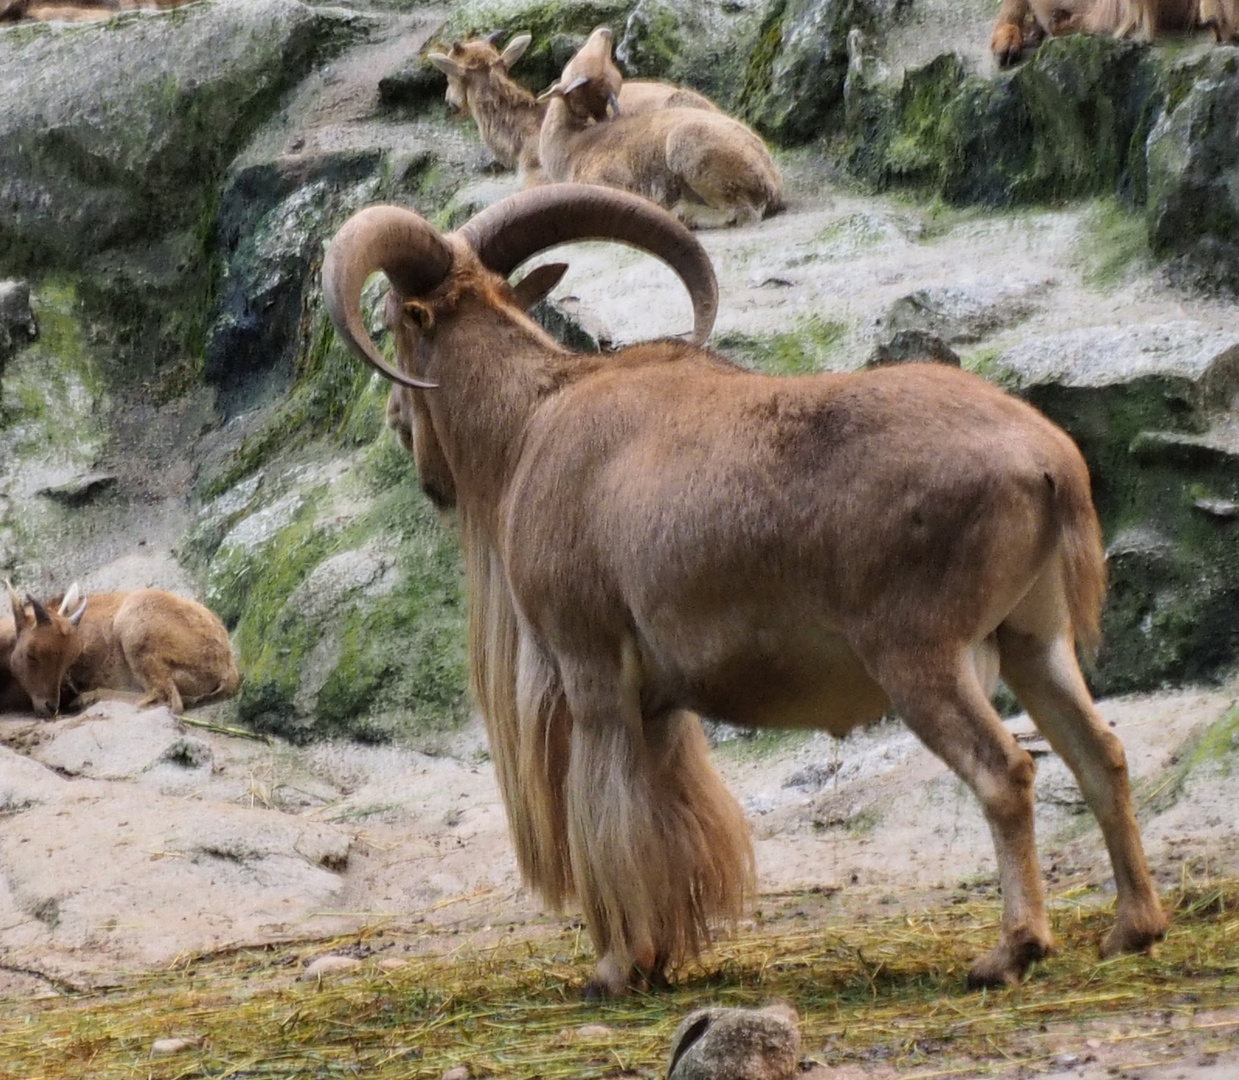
(54, 402)
(346, 595)
(112, 173)
(1193, 155)
(1143, 404)
(1070, 122)
(797, 64)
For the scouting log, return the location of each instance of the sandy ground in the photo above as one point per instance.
(129, 839)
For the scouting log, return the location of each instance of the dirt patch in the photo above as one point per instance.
(130, 840)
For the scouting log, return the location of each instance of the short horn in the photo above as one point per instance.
(17, 604)
(40, 612)
(516, 228)
(406, 248)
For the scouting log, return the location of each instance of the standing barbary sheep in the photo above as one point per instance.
(1024, 23)
(655, 534)
(707, 168)
(509, 117)
(172, 650)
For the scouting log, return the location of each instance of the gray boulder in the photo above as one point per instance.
(116, 134)
(1193, 157)
(17, 325)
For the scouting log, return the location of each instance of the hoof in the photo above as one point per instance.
(1137, 936)
(1009, 962)
(1007, 44)
(594, 991)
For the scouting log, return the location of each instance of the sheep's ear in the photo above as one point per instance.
(515, 50)
(558, 89)
(535, 285)
(446, 64)
(70, 600)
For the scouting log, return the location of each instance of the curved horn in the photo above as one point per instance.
(509, 232)
(69, 600)
(40, 612)
(406, 248)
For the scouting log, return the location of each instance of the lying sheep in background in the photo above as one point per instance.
(171, 650)
(706, 168)
(77, 10)
(1022, 24)
(509, 117)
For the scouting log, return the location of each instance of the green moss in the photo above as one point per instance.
(389, 652)
(333, 394)
(1216, 748)
(655, 43)
(1114, 242)
(808, 348)
(761, 743)
(758, 74)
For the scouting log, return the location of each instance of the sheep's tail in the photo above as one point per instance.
(1083, 558)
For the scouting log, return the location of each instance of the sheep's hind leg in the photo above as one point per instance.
(1046, 679)
(159, 683)
(942, 702)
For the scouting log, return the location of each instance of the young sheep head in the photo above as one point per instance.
(45, 647)
(590, 82)
(469, 63)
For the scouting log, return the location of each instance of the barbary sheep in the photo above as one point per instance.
(77, 10)
(509, 117)
(655, 534)
(169, 650)
(1022, 24)
(706, 168)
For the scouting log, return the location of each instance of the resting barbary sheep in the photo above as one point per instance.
(508, 116)
(77, 10)
(707, 168)
(656, 533)
(1022, 24)
(171, 650)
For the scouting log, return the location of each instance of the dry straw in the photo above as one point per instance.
(884, 989)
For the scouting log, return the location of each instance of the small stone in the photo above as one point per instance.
(736, 1044)
(326, 967)
(457, 1072)
(391, 963)
(167, 1047)
(593, 1031)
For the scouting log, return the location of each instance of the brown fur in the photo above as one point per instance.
(707, 168)
(1021, 24)
(77, 10)
(170, 650)
(655, 533)
(12, 697)
(509, 117)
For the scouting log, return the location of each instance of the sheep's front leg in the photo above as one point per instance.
(617, 868)
(658, 845)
